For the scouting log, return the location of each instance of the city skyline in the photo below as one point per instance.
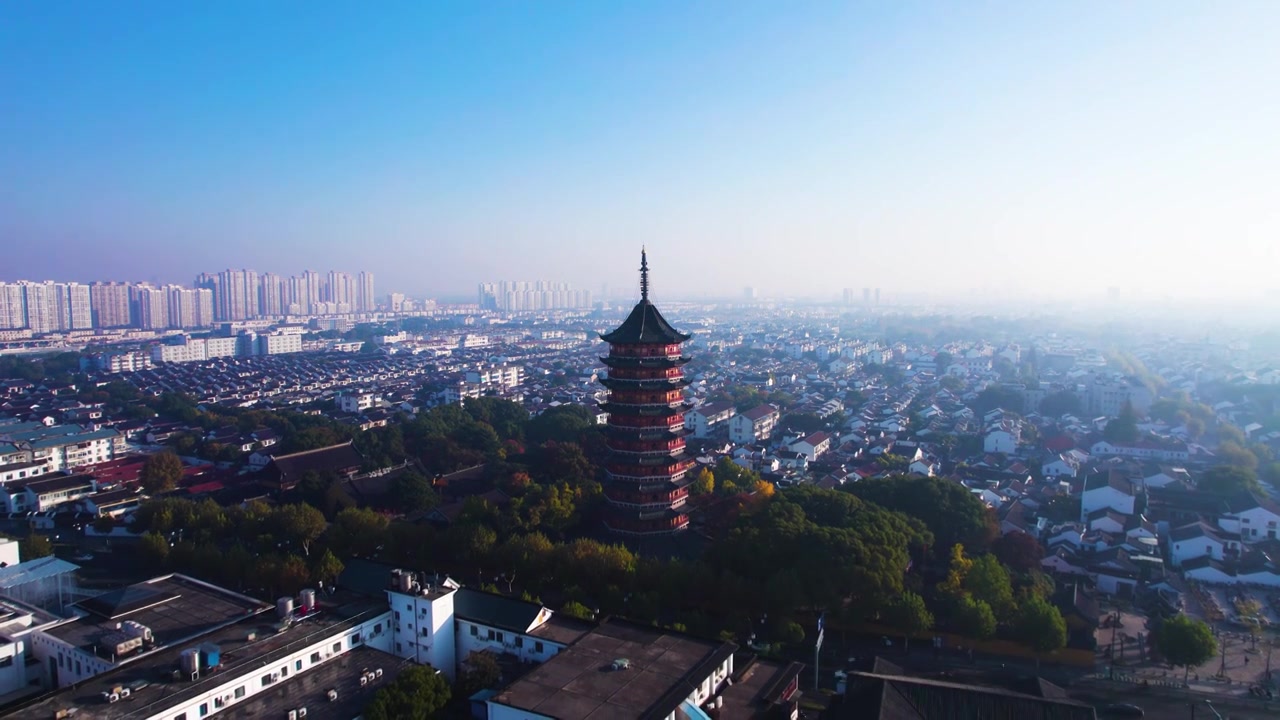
(1043, 149)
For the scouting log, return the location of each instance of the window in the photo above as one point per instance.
(77, 667)
(491, 635)
(397, 615)
(408, 606)
(239, 692)
(519, 641)
(475, 631)
(180, 716)
(537, 646)
(399, 648)
(426, 632)
(204, 709)
(337, 647)
(355, 639)
(284, 671)
(297, 665)
(377, 629)
(315, 657)
(266, 680)
(499, 637)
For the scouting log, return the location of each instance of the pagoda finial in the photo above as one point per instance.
(644, 274)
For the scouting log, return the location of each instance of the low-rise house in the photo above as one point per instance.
(754, 425)
(1111, 489)
(813, 445)
(706, 419)
(1200, 539)
(1252, 517)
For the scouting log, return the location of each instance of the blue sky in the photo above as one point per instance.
(1033, 147)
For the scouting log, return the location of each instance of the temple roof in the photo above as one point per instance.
(644, 326)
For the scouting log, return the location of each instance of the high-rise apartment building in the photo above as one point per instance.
(235, 295)
(13, 306)
(532, 296)
(42, 306)
(271, 295)
(151, 307)
(364, 301)
(74, 309)
(109, 305)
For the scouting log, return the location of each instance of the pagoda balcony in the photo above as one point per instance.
(629, 350)
(663, 361)
(646, 501)
(649, 485)
(639, 472)
(661, 526)
(652, 447)
(665, 409)
(670, 423)
(622, 432)
(644, 384)
(646, 373)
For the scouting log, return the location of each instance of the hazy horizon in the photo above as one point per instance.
(1048, 150)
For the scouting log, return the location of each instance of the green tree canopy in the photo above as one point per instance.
(1185, 642)
(1057, 404)
(704, 483)
(34, 546)
(1123, 428)
(1236, 455)
(988, 581)
(417, 694)
(952, 513)
(411, 492)
(161, 472)
(301, 525)
(565, 423)
(1040, 626)
(1228, 479)
(974, 618)
(907, 614)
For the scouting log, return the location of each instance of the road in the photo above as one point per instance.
(1160, 706)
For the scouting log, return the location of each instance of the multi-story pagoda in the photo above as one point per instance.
(647, 488)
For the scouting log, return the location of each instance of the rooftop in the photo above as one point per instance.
(310, 689)
(579, 683)
(175, 607)
(241, 657)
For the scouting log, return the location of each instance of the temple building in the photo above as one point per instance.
(647, 487)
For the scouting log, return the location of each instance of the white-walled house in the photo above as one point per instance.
(1067, 464)
(1252, 518)
(1109, 489)
(1167, 475)
(1198, 540)
(813, 445)
(1003, 439)
(705, 419)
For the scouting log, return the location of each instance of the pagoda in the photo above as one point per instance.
(647, 486)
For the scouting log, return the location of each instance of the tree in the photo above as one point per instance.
(1123, 428)
(161, 472)
(359, 531)
(1234, 454)
(575, 609)
(564, 423)
(1228, 480)
(34, 546)
(1019, 551)
(1063, 402)
(1040, 626)
(802, 422)
(419, 692)
(301, 524)
(1186, 642)
(327, 567)
(989, 581)
(997, 397)
(480, 671)
(764, 488)
(974, 618)
(412, 492)
(943, 360)
(153, 548)
(704, 483)
(952, 513)
(907, 614)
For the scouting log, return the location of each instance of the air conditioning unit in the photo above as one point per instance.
(364, 680)
(293, 715)
(125, 692)
(332, 695)
(302, 712)
(113, 698)
(377, 673)
(275, 676)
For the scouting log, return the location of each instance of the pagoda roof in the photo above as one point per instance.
(644, 326)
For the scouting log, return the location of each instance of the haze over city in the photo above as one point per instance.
(1016, 148)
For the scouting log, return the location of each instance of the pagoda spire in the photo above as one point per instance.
(644, 274)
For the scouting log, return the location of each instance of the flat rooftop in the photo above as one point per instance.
(174, 607)
(579, 683)
(759, 686)
(241, 658)
(310, 689)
